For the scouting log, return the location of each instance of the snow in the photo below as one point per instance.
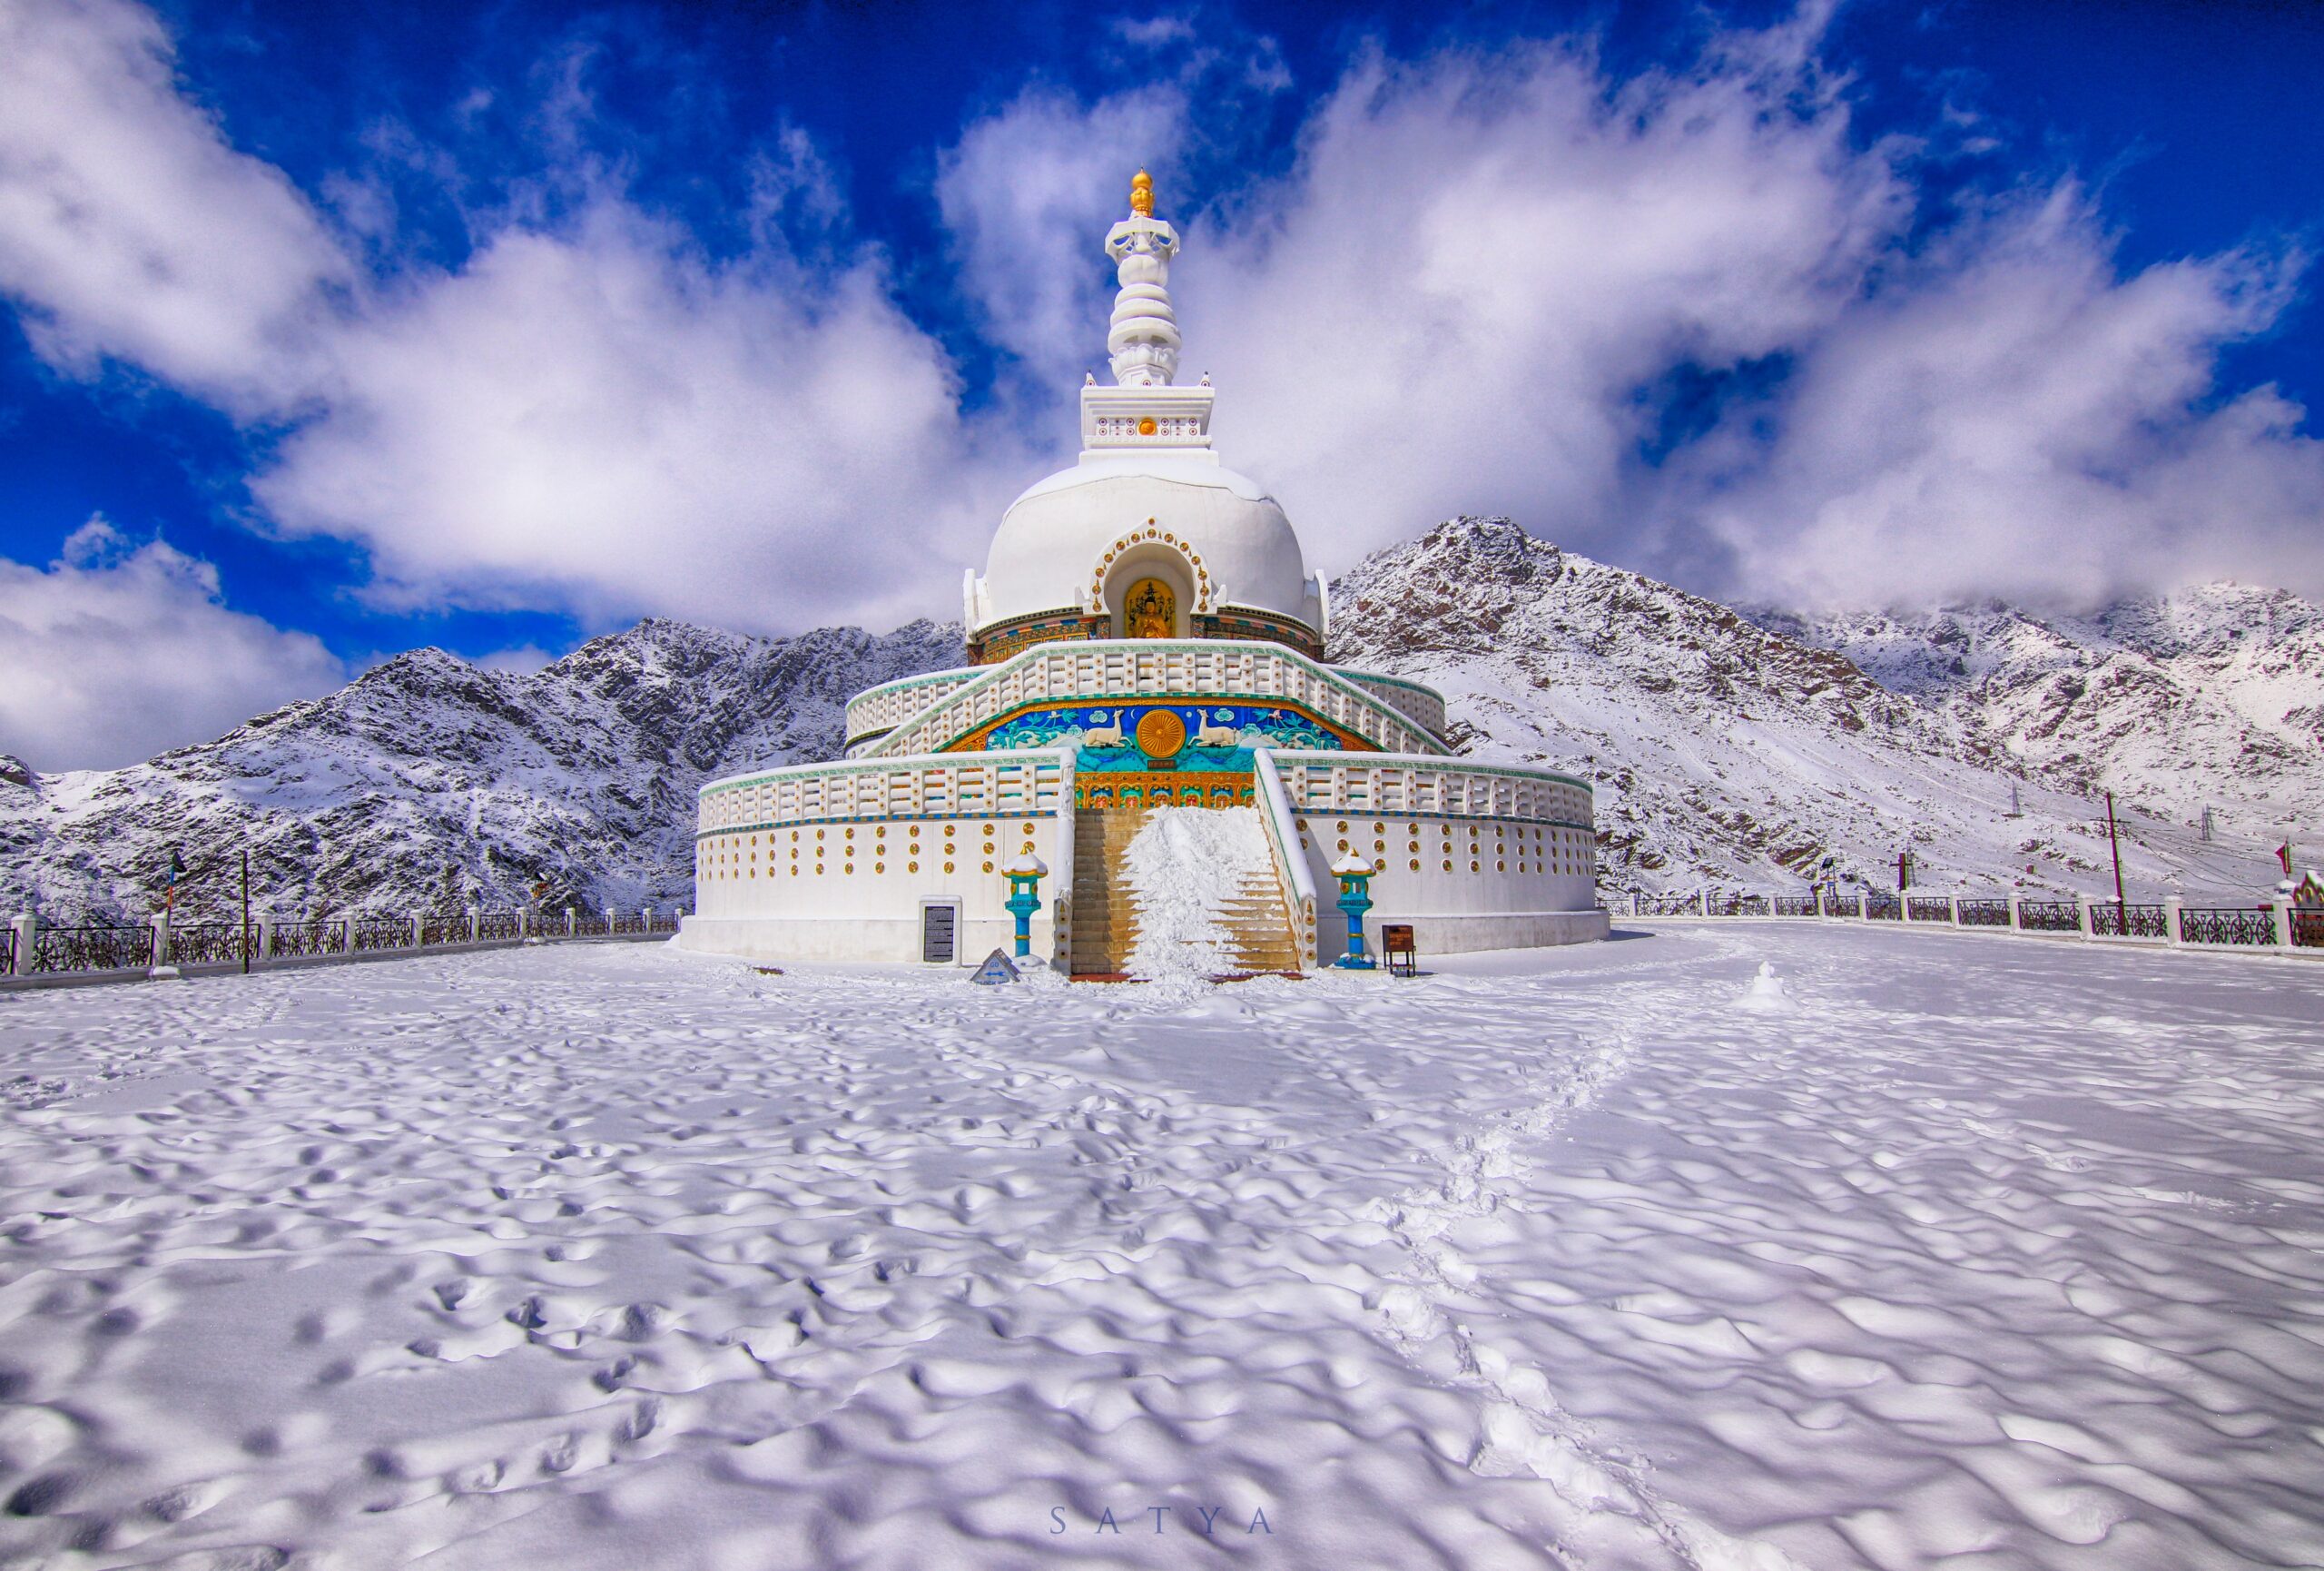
(1182, 868)
(1989, 1254)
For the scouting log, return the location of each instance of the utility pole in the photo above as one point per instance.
(2114, 842)
(246, 914)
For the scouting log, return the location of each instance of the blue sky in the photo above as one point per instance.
(328, 330)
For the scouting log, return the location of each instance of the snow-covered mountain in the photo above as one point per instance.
(1733, 749)
(1728, 748)
(430, 779)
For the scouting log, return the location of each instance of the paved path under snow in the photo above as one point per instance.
(1988, 1254)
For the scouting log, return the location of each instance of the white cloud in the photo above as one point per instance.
(1451, 301)
(130, 230)
(115, 652)
(2014, 417)
(602, 421)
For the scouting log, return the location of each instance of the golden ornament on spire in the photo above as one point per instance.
(1141, 194)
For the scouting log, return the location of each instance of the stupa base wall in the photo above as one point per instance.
(1465, 933)
(812, 940)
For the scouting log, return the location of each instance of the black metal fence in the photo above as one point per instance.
(2211, 926)
(323, 935)
(2239, 925)
(2125, 921)
(210, 943)
(96, 947)
(99, 946)
(2048, 916)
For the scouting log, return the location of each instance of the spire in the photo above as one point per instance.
(1143, 340)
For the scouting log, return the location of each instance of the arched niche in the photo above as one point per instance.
(1151, 553)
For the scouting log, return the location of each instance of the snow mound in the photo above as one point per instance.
(1767, 994)
(1184, 866)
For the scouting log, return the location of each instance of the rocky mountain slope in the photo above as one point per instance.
(431, 779)
(1733, 750)
(1727, 749)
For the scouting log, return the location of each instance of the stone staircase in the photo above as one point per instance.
(1105, 928)
(1260, 931)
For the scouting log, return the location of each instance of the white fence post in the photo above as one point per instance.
(2283, 924)
(1953, 909)
(1819, 893)
(2170, 910)
(2014, 919)
(27, 928)
(2082, 914)
(569, 928)
(161, 937)
(475, 923)
(263, 942)
(417, 928)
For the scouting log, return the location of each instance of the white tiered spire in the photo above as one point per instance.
(1143, 409)
(1143, 339)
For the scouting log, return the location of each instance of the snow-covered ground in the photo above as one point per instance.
(1966, 1252)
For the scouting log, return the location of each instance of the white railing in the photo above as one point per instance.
(946, 785)
(1425, 706)
(891, 704)
(1172, 671)
(1423, 785)
(1291, 869)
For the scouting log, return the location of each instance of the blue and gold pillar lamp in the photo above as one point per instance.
(1024, 872)
(1354, 874)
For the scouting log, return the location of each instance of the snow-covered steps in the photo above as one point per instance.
(1203, 885)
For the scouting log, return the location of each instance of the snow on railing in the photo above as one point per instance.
(1291, 868)
(935, 785)
(2277, 927)
(1419, 782)
(1171, 670)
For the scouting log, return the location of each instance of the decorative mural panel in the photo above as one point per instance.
(1210, 736)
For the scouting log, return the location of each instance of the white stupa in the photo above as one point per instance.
(1145, 632)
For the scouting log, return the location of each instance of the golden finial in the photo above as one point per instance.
(1141, 194)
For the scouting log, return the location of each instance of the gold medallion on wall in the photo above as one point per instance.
(1161, 734)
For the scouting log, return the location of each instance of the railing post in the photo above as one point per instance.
(1820, 901)
(524, 923)
(161, 937)
(27, 926)
(1702, 903)
(2172, 906)
(1904, 906)
(2082, 914)
(1953, 909)
(476, 924)
(2013, 899)
(613, 922)
(569, 927)
(262, 941)
(418, 928)
(2282, 909)
(1863, 904)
